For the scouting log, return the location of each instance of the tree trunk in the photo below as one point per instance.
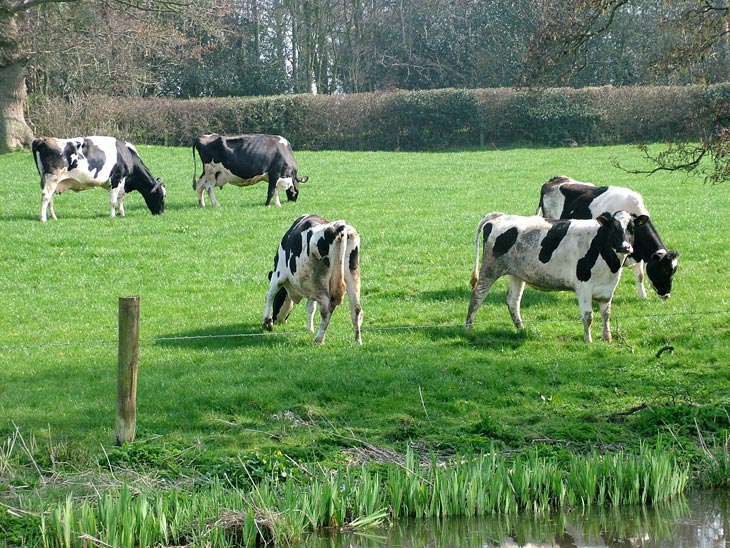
(14, 132)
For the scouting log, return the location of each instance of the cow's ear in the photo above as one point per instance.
(604, 218)
(641, 220)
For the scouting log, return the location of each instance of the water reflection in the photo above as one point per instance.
(698, 521)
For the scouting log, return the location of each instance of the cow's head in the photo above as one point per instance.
(292, 188)
(281, 307)
(660, 269)
(620, 227)
(155, 198)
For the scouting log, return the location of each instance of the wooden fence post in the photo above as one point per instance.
(128, 354)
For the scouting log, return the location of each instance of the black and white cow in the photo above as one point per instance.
(553, 255)
(564, 198)
(83, 163)
(317, 260)
(244, 160)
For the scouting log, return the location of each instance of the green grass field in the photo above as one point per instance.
(213, 386)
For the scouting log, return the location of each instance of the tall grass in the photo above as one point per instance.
(347, 498)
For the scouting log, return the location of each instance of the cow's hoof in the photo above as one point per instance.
(268, 324)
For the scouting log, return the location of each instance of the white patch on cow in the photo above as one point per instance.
(225, 176)
(285, 183)
(283, 141)
(81, 177)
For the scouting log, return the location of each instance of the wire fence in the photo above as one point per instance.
(481, 326)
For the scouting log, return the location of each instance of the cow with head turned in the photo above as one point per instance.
(564, 198)
(584, 256)
(319, 261)
(244, 160)
(83, 163)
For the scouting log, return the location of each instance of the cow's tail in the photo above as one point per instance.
(36, 146)
(480, 227)
(337, 280)
(195, 163)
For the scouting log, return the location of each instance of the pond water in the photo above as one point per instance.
(698, 521)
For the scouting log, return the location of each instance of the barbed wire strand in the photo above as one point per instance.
(101, 342)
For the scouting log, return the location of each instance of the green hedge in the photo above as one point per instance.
(403, 120)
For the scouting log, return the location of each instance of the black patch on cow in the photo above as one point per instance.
(293, 252)
(486, 231)
(291, 242)
(279, 299)
(276, 262)
(552, 239)
(354, 259)
(603, 245)
(70, 154)
(578, 199)
(504, 242)
(94, 156)
(646, 241)
(326, 261)
(327, 239)
(309, 239)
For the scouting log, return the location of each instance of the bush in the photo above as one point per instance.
(402, 120)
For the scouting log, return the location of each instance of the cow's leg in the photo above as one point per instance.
(585, 303)
(205, 184)
(272, 193)
(199, 186)
(477, 297)
(49, 183)
(268, 323)
(50, 208)
(638, 268)
(311, 310)
(353, 295)
(605, 308)
(514, 297)
(325, 313)
(114, 201)
(211, 194)
(121, 206)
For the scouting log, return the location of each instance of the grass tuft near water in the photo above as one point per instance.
(354, 498)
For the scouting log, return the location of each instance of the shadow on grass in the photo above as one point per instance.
(530, 297)
(238, 335)
(487, 337)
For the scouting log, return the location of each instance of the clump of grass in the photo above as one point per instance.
(283, 510)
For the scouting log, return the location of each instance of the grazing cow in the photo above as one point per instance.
(244, 160)
(563, 198)
(319, 261)
(89, 162)
(553, 255)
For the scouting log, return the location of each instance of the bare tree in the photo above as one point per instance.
(14, 131)
(700, 28)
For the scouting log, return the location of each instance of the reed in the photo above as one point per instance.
(283, 510)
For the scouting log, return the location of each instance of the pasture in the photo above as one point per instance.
(213, 387)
